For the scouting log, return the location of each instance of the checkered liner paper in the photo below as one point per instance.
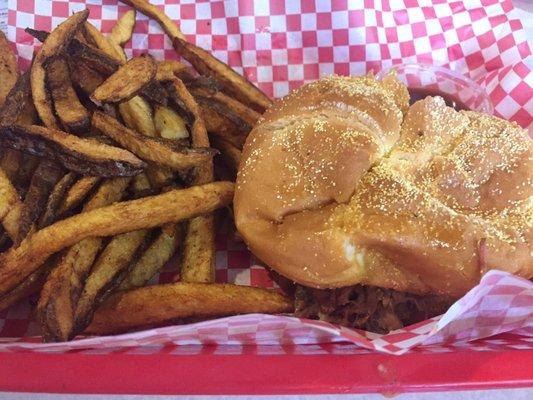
(279, 45)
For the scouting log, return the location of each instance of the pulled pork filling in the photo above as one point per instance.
(369, 308)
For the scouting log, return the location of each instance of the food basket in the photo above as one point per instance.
(485, 340)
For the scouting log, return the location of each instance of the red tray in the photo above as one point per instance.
(251, 373)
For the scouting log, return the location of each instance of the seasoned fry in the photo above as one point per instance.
(150, 149)
(160, 177)
(107, 273)
(84, 77)
(11, 221)
(137, 115)
(55, 200)
(167, 69)
(163, 304)
(244, 117)
(10, 163)
(152, 11)
(123, 29)
(9, 196)
(230, 153)
(53, 45)
(127, 81)
(45, 177)
(93, 57)
(31, 285)
(204, 62)
(102, 42)
(9, 70)
(169, 124)
(77, 193)
(219, 125)
(16, 102)
(154, 258)
(79, 155)
(60, 294)
(173, 206)
(72, 114)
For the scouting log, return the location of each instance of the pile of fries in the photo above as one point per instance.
(108, 170)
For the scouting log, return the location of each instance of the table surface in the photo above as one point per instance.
(523, 11)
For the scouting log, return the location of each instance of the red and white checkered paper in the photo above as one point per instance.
(279, 45)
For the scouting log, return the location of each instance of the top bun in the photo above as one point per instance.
(341, 183)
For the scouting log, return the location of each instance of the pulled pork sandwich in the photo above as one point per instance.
(383, 214)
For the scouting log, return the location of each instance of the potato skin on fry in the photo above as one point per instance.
(173, 206)
(150, 149)
(123, 29)
(159, 304)
(127, 81)
(53, 45)
(72, 114)
(84, 156)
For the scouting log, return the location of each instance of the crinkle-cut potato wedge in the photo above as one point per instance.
(150, 149)
(77, 193)
(73, 115)
(108, 271)
(84, 156)
(60, 294)
(51, 210)
(123, 30)
(45, 177)
(169, 124)
(205, 63)
(102, 42)
(54, 44)
(162, 304)
(158, 253)
(127, 81)
(9, 70)
(137, 115)
(148, 212)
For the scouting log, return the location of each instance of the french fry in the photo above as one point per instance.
(55, 200)
(9, 70)
(84, 77)
(60, 294)
(107, 273)
(76, 154)
(162, 304)
(168, 69)
(52, 46)
(173, 206)
(150, 149)
(160, 177)
(31, 285)
(10, 163)
(103, 43)
(72, 114)
(123, 29)
(17, 100)
(77, 193)
(198, 260)
(169, 124)
(127, 81)
(158, 253)
(9, 201)
(220, 126)
(152, 11)
(205, 63)
(45, 177)
(137, 115)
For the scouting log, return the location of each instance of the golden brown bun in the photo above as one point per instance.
(336, 188)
